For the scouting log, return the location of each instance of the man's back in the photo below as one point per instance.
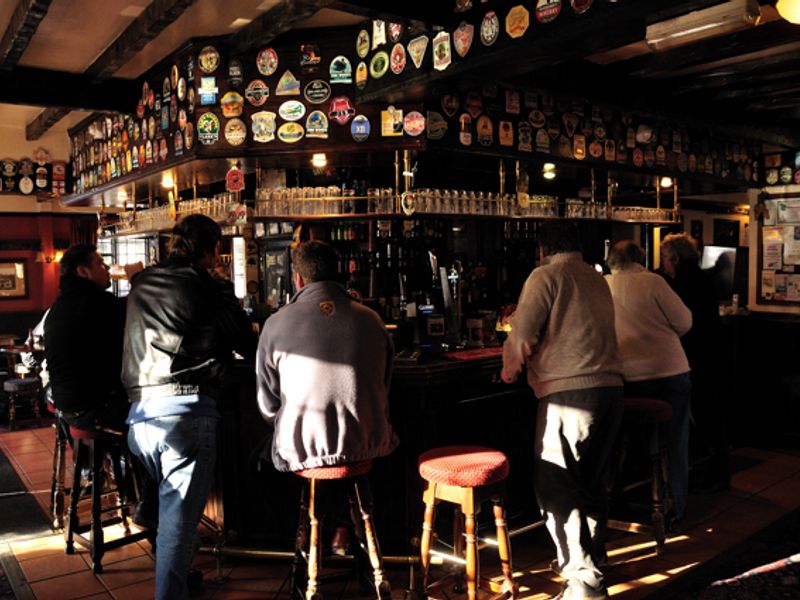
(323, 374)
(83, 345)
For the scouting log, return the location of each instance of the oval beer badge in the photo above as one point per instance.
(379, 65)
(317, 91)
(362, 74)
(290, 133)
(267, 61)
(490, 28)
(292, 110)
(256, 92)
(398, 59)
(362, 43)
(360, 128)
(547, 10)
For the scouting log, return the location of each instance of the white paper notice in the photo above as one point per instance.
(791, 246)
(793, 288)
(781, 281)
(767, 283)
(788, 211)
(772, 255)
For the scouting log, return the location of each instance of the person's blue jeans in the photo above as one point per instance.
(178, 452)
(677, 390)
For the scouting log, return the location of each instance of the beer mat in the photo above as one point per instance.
(475, 353)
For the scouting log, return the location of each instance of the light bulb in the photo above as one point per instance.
(789, 10)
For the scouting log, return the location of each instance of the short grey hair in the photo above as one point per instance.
(624, 253)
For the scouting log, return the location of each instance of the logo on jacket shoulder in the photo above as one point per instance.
(327, 308)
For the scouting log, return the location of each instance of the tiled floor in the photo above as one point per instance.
(760, 494)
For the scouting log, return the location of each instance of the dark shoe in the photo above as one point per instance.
(194, 579)
(340, 545)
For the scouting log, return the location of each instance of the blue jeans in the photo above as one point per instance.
(178, 452)
(677, 390)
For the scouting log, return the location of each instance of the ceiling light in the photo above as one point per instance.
(549, 174)
(319, 160)
(666, 182)
(727, 17)
(167, 182)
(789, 10)
(549, 170)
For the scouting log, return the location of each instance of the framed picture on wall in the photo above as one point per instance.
(726, 233)
(13, 279)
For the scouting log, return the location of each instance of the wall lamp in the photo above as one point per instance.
(56, 257)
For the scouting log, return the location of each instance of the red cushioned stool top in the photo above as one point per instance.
(105, 436)
(337, 471)
(463, 466)
(647, 410)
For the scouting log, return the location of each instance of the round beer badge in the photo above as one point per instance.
(362, 43)
(207, 128)
(379, 65)
(414, 123)
(398, 58)
(208, 61)
(181, 89)
(267, 61)
(256, 92)
(235, 132)
(490, 28)
(547, 10)
(360, 128)
(317, 91)
(581, 6)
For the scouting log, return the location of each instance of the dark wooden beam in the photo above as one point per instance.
(42, 87)
(21, 29)
(428, 12)
(277, 20)
(143, 30)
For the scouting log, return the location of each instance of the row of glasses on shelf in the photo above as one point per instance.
(462, 202)
(578, 209)
(160, 217)
(216, 208)
(321, 201)
(643, 214)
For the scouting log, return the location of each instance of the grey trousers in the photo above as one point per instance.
(575, 433)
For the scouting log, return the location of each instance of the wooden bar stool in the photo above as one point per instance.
(466, 476)
(309, 527)
(653, 414)
(28, 390)
(90, 449)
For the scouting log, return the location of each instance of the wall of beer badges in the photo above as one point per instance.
(31, 175)
(523, 122)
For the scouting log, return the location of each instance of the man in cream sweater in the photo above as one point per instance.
(563, 336)
(650, 318)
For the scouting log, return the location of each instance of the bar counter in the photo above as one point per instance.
(442, 400)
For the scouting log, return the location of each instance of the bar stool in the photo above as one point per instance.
(655, 414)
(466, 476)
(18, 390)
(90, 448)
(57, 489)
(309, 527)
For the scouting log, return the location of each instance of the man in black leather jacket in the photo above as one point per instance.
(181, 330)
(83, 344)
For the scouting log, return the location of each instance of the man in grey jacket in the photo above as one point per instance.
(323, 369)
(563, 335)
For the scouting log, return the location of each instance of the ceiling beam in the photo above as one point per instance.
(21, 29)
(399, 11)
(277, 20)
(143, 30)
(41, 87)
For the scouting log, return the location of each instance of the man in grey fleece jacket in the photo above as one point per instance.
(563, 334)
(323, 369)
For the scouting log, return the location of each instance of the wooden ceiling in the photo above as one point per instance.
(68, 54)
